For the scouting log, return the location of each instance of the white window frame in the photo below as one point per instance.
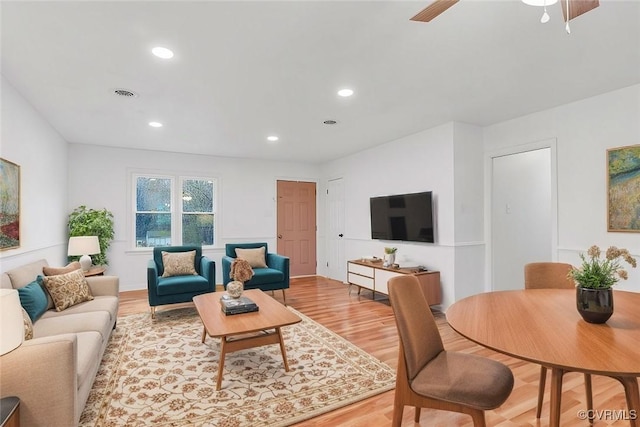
(176, 210)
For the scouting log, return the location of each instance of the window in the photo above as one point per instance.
(166, 215)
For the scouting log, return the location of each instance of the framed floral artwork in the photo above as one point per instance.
(623, 178)
(9, 205)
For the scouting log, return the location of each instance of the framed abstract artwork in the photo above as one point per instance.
(623, 189)
(9, 205)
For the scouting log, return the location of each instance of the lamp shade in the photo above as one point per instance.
(85, 246)
(11, 323)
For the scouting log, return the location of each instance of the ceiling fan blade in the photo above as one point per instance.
(433, 10)
(578, 7)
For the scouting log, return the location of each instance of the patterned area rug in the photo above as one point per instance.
(160, 373)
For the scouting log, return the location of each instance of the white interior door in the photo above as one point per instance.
(521, 215)
(336, 264)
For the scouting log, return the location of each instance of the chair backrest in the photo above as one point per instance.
(419, 335)
(230, 248)
(543, 275)
(157, 255)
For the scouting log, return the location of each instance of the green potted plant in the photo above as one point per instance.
(91, 222)
(595, 279)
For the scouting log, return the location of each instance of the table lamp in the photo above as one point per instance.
(85, 246)
(11, 324)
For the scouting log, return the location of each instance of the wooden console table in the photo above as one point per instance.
(373, 276)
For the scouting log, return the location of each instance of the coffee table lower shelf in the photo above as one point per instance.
(247, 330)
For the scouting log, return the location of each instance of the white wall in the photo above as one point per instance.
(421, 162)
(584, 131)
(246, 191)
(28, 140)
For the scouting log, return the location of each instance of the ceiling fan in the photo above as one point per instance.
(574, 7)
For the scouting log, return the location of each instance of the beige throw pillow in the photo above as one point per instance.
(255, 257)
(68, 289)
(178, 263)
(54, 271)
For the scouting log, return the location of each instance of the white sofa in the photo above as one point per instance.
(53, 373)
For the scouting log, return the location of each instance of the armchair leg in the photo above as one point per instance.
(153, 312)
(284, 297)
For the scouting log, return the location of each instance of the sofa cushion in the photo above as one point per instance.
(68, 289)
(22, 276)
(264, 276)
(181, 285)
(97, 321)
(255, 256)
(28, 325)
(179, 263)
(33, 299)
(98, 303)
(88, 352)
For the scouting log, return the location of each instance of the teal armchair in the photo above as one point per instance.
(274, 277)
(178, 288)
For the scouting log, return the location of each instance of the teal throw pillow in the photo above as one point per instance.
(33, 299)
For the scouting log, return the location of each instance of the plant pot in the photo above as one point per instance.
(594, 305)
(389, 260)
(235, 288)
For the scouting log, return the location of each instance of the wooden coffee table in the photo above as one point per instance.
(247, 330)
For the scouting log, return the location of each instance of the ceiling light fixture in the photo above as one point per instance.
(272, 138)
(543, 3)
(155, 124)
(162, 52)
(345, 92)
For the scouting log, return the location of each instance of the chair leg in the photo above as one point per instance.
(542, 382)
(478, 418)
(153, 312)
(588, 390)
(398, 409)
(284, 297)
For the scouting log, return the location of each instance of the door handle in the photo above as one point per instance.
(279, 236)
(340, 235)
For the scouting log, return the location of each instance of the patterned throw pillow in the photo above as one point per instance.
(28, 325)
(68, 289)
(255, 257)
(54, 271)
(179, 263)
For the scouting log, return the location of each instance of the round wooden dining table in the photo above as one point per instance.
(543, 326)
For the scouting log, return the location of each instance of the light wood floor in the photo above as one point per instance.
(371, 326)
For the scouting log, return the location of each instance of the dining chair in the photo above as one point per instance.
(545, 275)
(429, 376)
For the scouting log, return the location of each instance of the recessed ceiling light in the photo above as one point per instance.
(345, 92)
(155, 124)
(272, 138)
(162, 52)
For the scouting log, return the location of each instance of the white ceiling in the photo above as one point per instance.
(245, 70)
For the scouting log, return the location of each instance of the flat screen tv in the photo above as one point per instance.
(407, 217)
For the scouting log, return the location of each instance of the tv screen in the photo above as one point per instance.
(407, 217)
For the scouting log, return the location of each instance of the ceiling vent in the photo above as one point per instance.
(330, 122)
(126, 93)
